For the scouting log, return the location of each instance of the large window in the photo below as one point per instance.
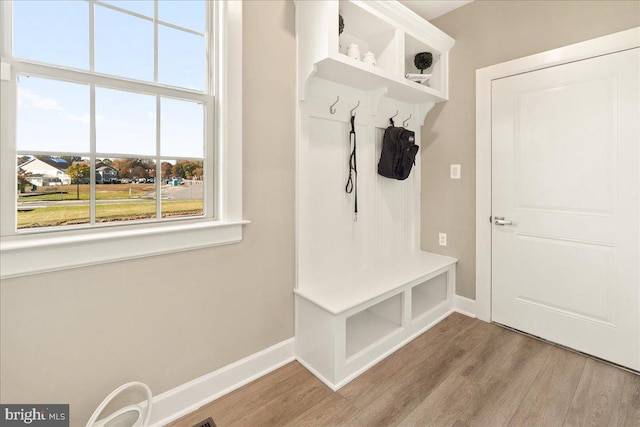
(127, 139)
(112, 117)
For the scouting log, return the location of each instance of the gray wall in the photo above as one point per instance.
(73, 336)
(487, 33)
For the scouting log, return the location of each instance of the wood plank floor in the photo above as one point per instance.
(462, 372)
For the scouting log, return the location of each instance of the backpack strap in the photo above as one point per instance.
(352, 181)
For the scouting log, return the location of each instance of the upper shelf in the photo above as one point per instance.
(388, 29)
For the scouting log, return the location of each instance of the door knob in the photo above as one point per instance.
(501, 221)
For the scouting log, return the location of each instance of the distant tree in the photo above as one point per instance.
(187, 169)
(198, 173)
(149, 167)
(23, 179)
(77, 172)
(123, 166)
(23, 159)
(165, 169)
(178, 170)
(138, 171)
(107, 161)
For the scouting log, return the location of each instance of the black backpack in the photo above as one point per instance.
(398, 153)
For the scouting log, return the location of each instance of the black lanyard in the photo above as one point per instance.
(352, 181)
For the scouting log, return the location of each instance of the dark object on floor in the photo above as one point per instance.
(206, 423)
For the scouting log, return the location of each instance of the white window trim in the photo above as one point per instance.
(31, 253)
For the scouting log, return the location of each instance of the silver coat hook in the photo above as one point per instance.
(394, 116)
(331, 109)
(406, 122)
(354, 108)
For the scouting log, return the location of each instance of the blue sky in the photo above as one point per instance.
(54, 115)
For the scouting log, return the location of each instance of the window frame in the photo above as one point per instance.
(58, 248)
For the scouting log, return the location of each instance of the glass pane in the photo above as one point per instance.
(125, 189)
(125, 122)
(181, 59)
(181, 128)
(123, 44)
(52, 116)
(186, 13)
(144, 7)
(182, 188)
(56, 32)
(52, 191)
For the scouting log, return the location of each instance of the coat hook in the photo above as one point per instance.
(354, 108)
(391, 119)
(406, 122)
(331, 109)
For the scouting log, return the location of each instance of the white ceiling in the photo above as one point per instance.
(431, 9)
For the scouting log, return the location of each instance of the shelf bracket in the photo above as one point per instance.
(421, 111)
(304, 81)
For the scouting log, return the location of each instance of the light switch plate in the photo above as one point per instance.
(456, 171)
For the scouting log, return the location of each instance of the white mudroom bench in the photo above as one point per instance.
(346, 324)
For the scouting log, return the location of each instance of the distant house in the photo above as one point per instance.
(46, 171)
(105, 174)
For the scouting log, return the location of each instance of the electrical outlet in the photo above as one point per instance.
(442, 239)
(456, 171)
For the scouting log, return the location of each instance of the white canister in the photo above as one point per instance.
(353, 51)
(369, 58)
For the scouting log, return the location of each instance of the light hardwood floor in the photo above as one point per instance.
(462, 372)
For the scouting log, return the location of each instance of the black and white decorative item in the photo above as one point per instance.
(422, 61)
(340, 30)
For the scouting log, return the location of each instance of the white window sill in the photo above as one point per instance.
(24, 255)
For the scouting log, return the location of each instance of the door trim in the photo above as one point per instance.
(612, 43)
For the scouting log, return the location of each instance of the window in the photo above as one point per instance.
(114, 126)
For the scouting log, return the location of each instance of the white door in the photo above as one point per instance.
(565, 173)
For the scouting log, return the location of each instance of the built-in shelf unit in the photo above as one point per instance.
(363, 287)
(392, 32)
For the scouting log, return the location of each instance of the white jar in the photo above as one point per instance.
(369, 58)
(353, 51)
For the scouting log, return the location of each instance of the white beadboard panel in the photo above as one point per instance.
(330, 242)
(397, 213)
(333, 242)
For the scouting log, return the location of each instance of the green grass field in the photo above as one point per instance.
(103, 192)
(52, 216)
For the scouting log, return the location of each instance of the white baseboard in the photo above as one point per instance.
(186, 398)
(190, 396)
(464, 305)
